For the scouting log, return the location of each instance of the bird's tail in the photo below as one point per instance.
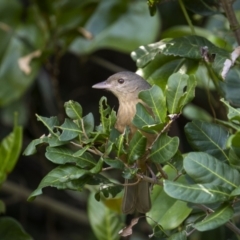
(136, 197)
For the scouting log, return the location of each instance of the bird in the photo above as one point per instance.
(126, 86)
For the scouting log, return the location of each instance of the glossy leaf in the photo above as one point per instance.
(63, 155)
(177, 82)
(164, 149)
(145, 54)
(196, 193)
(10, 148)
(137, 147)
(207, 137)
(73, 110)
(11, 229)
(155, 99)
(105, 222)
(70, 130)
(204, 168)
(216, 219)
(62, 177)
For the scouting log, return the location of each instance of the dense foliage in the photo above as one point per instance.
(195, 189)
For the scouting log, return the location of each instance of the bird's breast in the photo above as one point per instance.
(125, 115)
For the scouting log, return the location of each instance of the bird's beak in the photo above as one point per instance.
(102, 85)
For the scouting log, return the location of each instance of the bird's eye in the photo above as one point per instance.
(120, 80)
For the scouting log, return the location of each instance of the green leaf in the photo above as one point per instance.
(120, 144)
(230, 86)
(166, 211)
(11, 229)
(10, 148)
(178, 236)
(204, 168)
(98, 167)
(70, 130)
(145, 54)
(233, 113)
(73, 110)
(88, 122)
(190, 91)
(107, 115)
(81, 151)
(107, 31)
(189, 47)
(49, 123)
(234, 153)
(105, 222)
(52, 140)
(137, 147)
(115, 163)
(164, 149)
(142, 117)
(155, 99)
(208, 137)
(196, 193)
(63, 155)
(175, 92)
(216, 219)
(62, 177)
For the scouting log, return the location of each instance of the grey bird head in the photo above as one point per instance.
(124, 85)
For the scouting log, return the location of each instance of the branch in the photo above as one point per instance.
(47, 203)
(234, 25)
